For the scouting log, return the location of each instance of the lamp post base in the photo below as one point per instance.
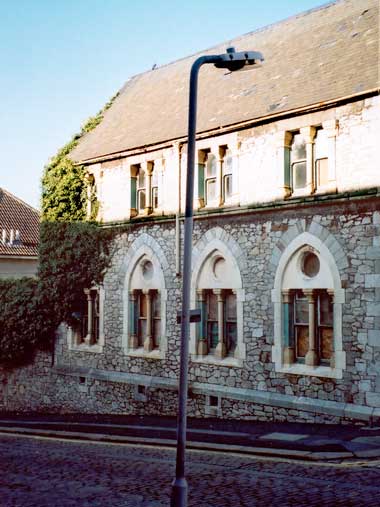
(179, 493)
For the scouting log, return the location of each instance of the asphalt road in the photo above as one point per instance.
(38, 472)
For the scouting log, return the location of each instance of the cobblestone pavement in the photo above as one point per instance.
(39, 472)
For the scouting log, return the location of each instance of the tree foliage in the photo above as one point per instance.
(73, 256)
(63, 182)
(23, 326)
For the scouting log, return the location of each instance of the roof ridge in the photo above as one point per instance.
(238, 37)
(12, 196)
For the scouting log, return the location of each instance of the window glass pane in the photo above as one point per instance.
(299, 175)
(211, 166)
(141, 199)
(212, 307)
(210, 190)
(212, 334)
(231, 307)
(302, 340)
(231, 336)
(142, 329)
(326, 309)
(155, 197)
(141, 179)
(326, 341)
(227, 186)
(154, 178)
(322, 171)
(156, 306)
(320, 144)
(142, 305)
(156, 332)
(301, 310)
(298, 148)
(227, 163)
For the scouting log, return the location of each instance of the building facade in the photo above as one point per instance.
(19, 229)
(286, 242)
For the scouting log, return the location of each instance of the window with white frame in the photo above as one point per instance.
(321, 161)
(154, 191)
(219, 297)
(217, 331)
(145, 307)
(298, 166)
(210, 178)
(307, 157)
(227, 175)
(215, 177)
(145, 323)
(308, 312)
(141, 190)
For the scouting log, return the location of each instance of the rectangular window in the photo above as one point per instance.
(325, 310)
(301, 325)
(141, 318)
(324, 329)
(210, 181)
(227, 175)
(87, 318)
(212, 320)
(141, 190)
(321, 165)
(154, 197)
(156, 314)
(230, 322)
(298, 162)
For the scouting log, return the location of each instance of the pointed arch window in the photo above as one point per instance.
(308, 300)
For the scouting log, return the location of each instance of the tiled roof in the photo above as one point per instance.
(20, 222)
(318, 56)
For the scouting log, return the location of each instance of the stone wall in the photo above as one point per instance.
(115, 381)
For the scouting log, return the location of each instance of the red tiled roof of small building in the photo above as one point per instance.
(19, 227)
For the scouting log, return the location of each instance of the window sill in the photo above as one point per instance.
(210, 359)
(140, 352)
(311, 371)
(83, 347)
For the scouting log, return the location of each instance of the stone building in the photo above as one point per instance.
(286, 250)
(19, 237)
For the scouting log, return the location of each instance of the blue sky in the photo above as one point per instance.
(61, 60)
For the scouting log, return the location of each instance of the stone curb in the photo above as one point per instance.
(204, 446)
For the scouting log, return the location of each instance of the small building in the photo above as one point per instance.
(19, 237)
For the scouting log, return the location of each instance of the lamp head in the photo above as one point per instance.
(232, 60)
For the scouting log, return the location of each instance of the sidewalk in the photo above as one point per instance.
(314, 442)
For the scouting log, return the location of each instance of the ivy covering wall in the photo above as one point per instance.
(73, 255)
(64, 190)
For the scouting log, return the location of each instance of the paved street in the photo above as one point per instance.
(40, 472)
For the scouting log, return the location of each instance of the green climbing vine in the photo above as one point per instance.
(73, 255)
(64, 190)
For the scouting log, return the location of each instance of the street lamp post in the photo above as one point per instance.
(232, 61)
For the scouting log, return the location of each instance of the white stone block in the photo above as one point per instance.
(374, 337)
(372, 281)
